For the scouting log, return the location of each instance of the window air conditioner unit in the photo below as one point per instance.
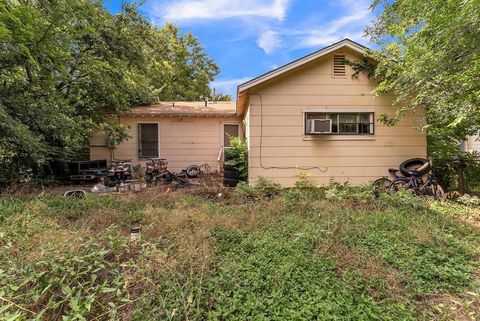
(319, 126)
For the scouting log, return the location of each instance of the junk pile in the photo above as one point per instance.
(121, 176)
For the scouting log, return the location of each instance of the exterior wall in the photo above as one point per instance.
(474, 143)
(183, 141)
(280, 151)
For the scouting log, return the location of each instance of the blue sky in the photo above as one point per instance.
(247, 38)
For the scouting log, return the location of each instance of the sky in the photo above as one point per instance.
(247, 38)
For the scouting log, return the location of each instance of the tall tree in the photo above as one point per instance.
(64, 63)
(429, 56)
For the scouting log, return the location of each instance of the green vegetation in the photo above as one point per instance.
(66, 65)
(237, 155)
(428, 57)
(262, 253)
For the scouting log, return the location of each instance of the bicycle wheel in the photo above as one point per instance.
(398, 184)
(381, 185)
(435, 191)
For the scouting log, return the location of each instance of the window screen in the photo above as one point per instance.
(344, 123)
(229, 130)
(148, 140)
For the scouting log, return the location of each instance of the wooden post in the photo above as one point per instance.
(461, 179)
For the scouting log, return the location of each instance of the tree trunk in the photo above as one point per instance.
(461, 179)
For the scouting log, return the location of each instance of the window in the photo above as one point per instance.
(148, 140)
(317, 123)
(339, 66)
(230, 130)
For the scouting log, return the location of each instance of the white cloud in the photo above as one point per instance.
(190, 10)
(350, 26)
(228, 86)
(314, 32)
(269, 41)
(357, 15)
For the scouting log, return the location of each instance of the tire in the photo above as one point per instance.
(230, 182)
(228, 167)
(398, 185)
(192, 171)
(381, 185)
(420, 166)
(110, 181)
(435, 191)
(439, 193)
(231, 174)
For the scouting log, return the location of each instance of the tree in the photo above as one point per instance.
(65, 65)
(429, 58)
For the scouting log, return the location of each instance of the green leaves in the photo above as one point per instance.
(237, 155)
(428, 57)
(67, 66)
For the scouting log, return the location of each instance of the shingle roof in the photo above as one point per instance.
(186, 108)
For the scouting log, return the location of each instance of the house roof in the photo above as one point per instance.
(186, 108)
(242, 90)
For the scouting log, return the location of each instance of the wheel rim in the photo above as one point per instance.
(398, 185)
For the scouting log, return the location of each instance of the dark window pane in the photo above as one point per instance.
(148, 140)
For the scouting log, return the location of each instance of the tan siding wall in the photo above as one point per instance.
(183, 141)
(284, 146)
(475, 143)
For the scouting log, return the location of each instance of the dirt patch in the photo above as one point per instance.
(357, 260)
(461, 307)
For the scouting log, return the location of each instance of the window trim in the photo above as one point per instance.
(338, 136)
(140, 157)
(222, 130)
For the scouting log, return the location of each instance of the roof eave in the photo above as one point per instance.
(301, 61)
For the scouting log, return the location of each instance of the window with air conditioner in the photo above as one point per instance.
(339, 123)
(319, 126)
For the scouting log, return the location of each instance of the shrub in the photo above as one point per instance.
(237, 155)
(469, 200)
(304, 181)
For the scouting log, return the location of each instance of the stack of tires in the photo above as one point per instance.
(231, 176)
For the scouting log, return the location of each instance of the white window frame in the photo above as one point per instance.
(222, 130)
(137, 144)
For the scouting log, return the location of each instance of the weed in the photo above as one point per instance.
(266, 253)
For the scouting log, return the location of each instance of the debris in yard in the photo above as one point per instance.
(101, 188)
(119, 171)
(135, 233)
(77, 193)
(87, 170)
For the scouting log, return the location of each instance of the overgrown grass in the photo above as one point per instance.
(336, 253)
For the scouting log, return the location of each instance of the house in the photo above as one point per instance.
(473, 143)
(311, 116)
(184, 133)
(308, 116)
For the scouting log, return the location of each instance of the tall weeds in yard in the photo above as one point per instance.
(256, 252)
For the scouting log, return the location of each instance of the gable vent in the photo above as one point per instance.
(339, 66)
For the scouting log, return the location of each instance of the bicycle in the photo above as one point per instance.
(383, 184)
(415, 182)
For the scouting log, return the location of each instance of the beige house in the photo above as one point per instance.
(309, 116)
(473, 143)
(184, 133)
(312, 116)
